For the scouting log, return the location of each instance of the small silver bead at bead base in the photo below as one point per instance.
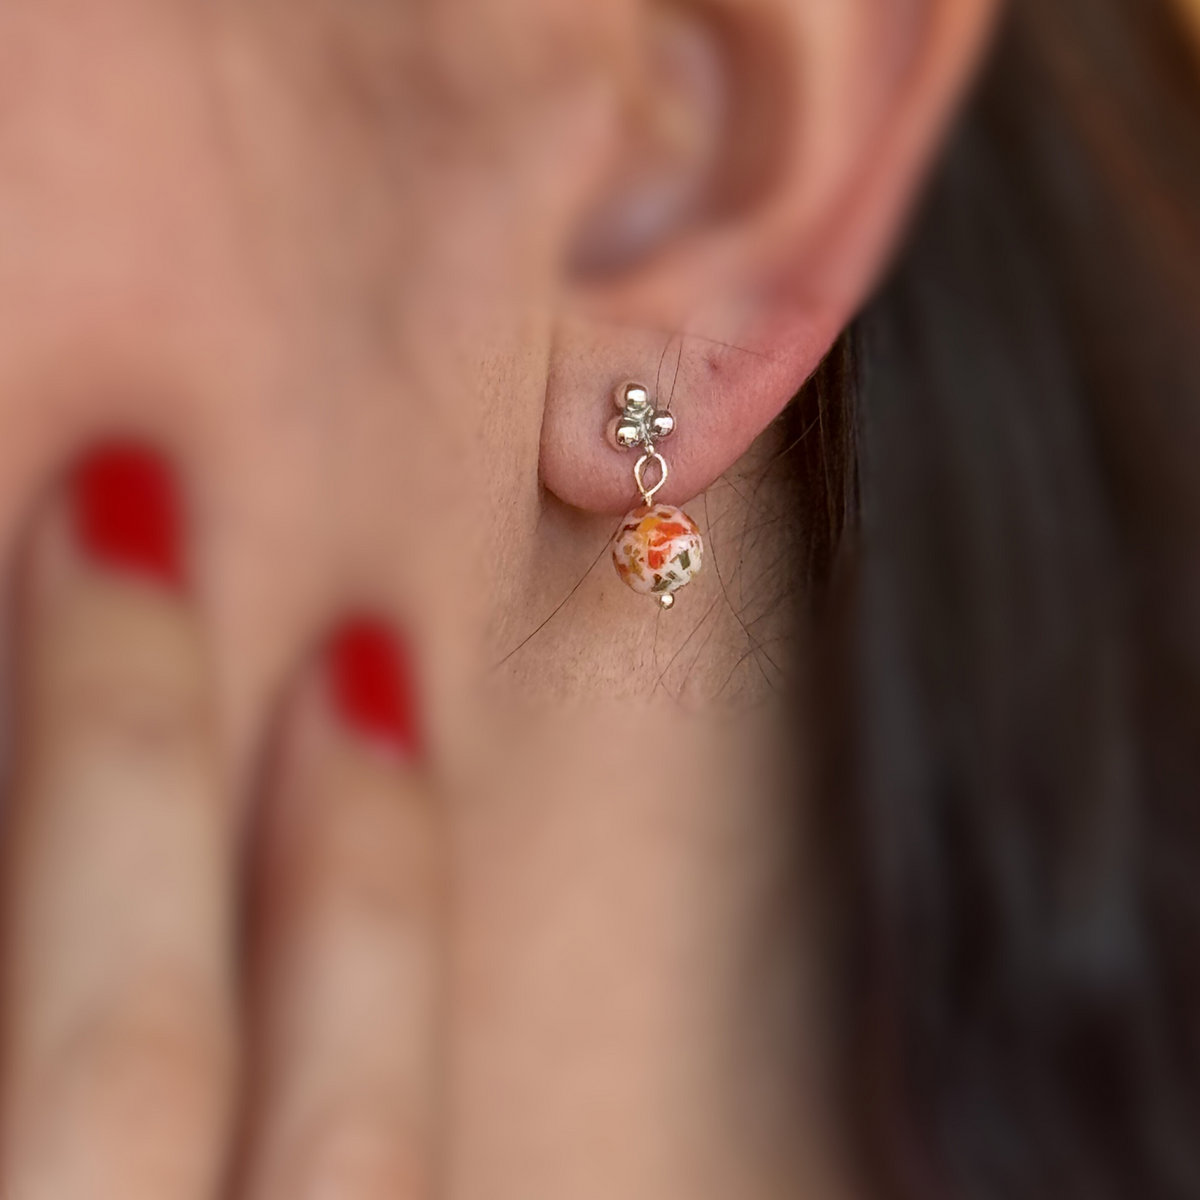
(662, 426)
(666, 601)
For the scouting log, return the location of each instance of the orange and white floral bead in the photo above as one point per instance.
(658, 550)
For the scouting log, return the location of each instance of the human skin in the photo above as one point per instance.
(319, 255)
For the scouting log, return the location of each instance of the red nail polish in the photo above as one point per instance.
(127, 512)
(371, 679)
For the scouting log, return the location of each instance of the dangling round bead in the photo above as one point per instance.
(658, 550)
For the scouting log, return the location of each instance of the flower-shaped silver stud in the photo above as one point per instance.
(639, 422)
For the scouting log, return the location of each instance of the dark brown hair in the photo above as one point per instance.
(1004, 492)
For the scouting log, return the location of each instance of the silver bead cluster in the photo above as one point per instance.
(639, 422)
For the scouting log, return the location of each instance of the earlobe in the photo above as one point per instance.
(723, 320)
(719, 394)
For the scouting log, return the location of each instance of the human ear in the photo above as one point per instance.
(772, 152)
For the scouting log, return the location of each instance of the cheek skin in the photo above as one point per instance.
(221, 232)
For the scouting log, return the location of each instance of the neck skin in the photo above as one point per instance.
(638, 1007)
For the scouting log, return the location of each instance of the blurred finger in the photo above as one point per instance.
(117, 1008)
(346, 941)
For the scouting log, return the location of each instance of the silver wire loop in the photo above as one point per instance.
(639, 475)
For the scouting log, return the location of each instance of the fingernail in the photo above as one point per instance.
(127, 513)
(371, 680)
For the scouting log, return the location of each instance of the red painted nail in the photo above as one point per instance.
(127, 512)
(371, 679)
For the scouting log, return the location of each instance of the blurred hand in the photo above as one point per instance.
(123, 960)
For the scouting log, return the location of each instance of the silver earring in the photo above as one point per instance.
(658, 549)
